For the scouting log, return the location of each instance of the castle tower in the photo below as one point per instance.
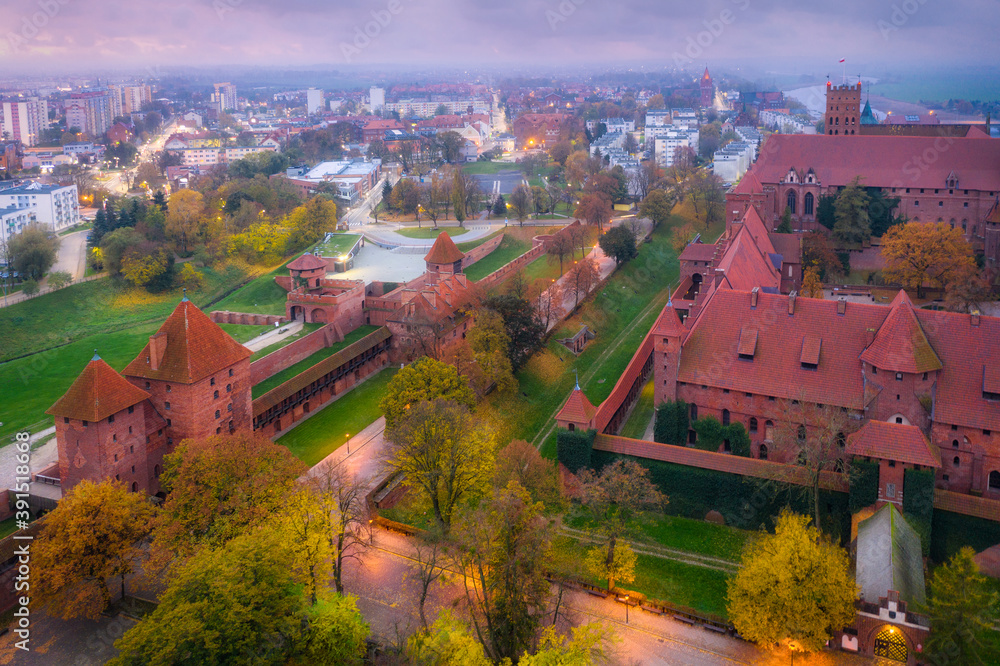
(668, 336)
(198, 377)
(101, 430)
(577, 413)
(707, 90)
(444, 258)
(843, 109)
(309, 269)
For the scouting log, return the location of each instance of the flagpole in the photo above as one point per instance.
(844, 63)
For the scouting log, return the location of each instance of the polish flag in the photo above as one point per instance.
(842, 59)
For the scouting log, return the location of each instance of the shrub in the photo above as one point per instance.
(710, 433)
(918, 503)
(864, 485)
(574, 448)
(672, 423)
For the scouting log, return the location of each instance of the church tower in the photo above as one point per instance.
(707, 90)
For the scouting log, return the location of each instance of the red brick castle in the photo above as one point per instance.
(191, 380)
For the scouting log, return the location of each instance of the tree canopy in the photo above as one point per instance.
(619, 243)
(33, 251)
(919, 253)
(423, 380)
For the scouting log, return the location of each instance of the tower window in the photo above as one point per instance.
(230, 372)
(131, 409)
(218, 413)
(211, 382)
(215, 395)
(168, 388)
(111, 419)
(956, 461)
(166, 405)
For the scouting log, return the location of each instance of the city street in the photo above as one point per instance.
(72, 254)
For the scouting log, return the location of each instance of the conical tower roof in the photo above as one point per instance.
(900, 344)
(444, 251)
(96, 394)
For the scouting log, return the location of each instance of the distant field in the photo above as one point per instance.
(482, 168)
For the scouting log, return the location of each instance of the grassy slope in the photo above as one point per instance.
(306, 363)
(468, 245)
(431, 232)
(327, 430)
(306, 330)
(510, 248)
(243, 333)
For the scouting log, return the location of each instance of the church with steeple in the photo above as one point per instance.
(707, 90)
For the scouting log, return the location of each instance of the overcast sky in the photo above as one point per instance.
(73, 34)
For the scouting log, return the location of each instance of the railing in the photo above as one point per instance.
(49, 480)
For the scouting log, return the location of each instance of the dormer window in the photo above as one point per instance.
(748, 344)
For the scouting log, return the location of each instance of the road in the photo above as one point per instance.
(500, 183)
(72, 254)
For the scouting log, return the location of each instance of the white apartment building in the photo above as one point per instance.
(12, 221)
(55, 206)
(314, 101)
(24, 119)
(731, 162)
(376, 99)
(90, 112)
(225, 96)
(210, 156)
(426, 109)
(612, 141)
(784, 123)
(666, 145)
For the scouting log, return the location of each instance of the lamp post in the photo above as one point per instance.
(348, 436)
(627, 596)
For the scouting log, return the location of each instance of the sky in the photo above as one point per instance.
(70, 35)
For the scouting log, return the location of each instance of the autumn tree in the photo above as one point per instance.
(310, 221)
(142, 268)
(581, 279)
(237, 603)
(793, 584)
(33, 251)
(444, 452)
(218, 487)
(423, 380)
(580, 235)
(521, 203)
(851, 213)
(405, 196)
(337, 632)
(302, 524)
(541, 201)
(560, 247)
(505, 544)
(811, 285)
(616, 499)
(93, 535)
(657, 206)
(969, 294)
(963, 611)
(918, 253)
(708, 195)
(184, 217)
(585, 647)
(560, 152)
(524, 328)
(619, 243)
(429, 555)
(681, 236)
(819, 254)
(548, 304)
(490, 346)
(340, 498)
(520, 461)
(447, 642)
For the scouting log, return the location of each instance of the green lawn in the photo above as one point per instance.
(482, 168)
(697, 588)
(32, 384)
(641, 415)
(244, 332)
(276, 380)
(8, 527)
(509, 249)
(634, 295)
(468, 245)
(431, 232)
(99, 306)
(677, 532)
(545, 268)
(327, 430)
(305, 330)
(339, 243)
(260, 296)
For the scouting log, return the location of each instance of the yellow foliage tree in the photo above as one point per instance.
(263, 242)
(311, 220)
(94, 534)
(141, 269)
(811, 285)
(917, 254)
(191, 277)
(186, 211)
(793, 584)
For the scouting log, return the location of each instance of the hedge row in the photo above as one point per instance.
(574, 447)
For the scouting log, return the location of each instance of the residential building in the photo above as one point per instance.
(91, 112)
(55, 206)
(376, 98)
(314, 101)
(534, 130)
(224, 97)
(612, 141)
(12, 221)
(784, 123)
(732, 161)
(351, 179)
(666, 145)
(134, 97)
(23, 119)
(10, 159)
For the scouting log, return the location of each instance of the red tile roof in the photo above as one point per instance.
(698, 252)
(749, 184)
(195, 348)
(746, 265)
(307, 262)
(668, 323)
(444, 251)
(755, 225)
(893, 441)
(882, 161)
(97, 393)
(900, 344)
(710, 352)
(577, 408)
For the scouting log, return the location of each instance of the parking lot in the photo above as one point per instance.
(500, 183)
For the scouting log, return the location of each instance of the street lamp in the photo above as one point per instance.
(627, 596)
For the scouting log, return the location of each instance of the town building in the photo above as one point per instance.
(91, 112)
(376, 99)
(13, 220)
(10, 157)
(55, 206)
(707, 90)
(314, 101)
(350, 180)
(23, 120)
(224, 98)
(534, 130)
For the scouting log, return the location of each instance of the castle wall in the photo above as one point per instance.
(294, 352)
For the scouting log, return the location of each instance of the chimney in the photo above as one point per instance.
(869, 336)
(791, 303)
(157, 346)
(975, 317)
(720, 275)
(841, 306)
(753, 296)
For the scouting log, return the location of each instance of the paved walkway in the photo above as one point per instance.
(41, 457)
(271, 337)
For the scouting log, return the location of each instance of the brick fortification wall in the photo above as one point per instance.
(292, 353)
(250, 319)
(505, 271)
(477, 253)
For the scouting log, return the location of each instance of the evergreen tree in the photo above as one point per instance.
(786, 222)
(963, 612)
(100, 228)
(852, 225)
(499, 206)
(387, 193)
(826, 213)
